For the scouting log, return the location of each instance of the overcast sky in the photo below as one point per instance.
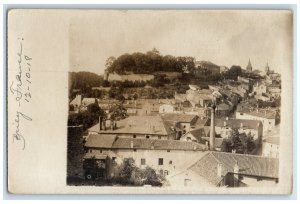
(222, 37)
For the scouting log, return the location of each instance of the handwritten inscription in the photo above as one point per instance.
(20, 89)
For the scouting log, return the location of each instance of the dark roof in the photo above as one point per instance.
(198, 133)
(223, 106)
(273, 140)
(237, 123)
(125, 143)
(218, 141)
(248, 165)
(100, 140)
(183, 118)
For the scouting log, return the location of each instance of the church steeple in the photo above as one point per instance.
(267, 69)
(249, 66)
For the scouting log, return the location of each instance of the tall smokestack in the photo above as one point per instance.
(100, 122)
(212, 129)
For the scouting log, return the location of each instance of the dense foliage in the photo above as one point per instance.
(148, 63)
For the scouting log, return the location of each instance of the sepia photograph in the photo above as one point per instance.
(176, 99)
(145, 101)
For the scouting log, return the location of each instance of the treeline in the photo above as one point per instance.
(148, 63)
(80, 80)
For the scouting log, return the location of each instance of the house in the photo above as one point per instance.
(196, 135)
(166, 157)
(147, 127)
(76, 102)
(271, 147)
(268, 117)
(224, 127)
(220, 169)
(183, 122)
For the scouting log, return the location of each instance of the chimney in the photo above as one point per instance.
(236, 169)
(212, 129)
(100, 122)
(131, 144)
(104, 124)
(219, 169)
(112, 125)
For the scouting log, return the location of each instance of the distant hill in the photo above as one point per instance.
(148, 63)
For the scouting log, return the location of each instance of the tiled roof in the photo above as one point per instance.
(218, 141)
(152, 125)
(100, 140)
(262, 113)
(236, 123)
(198, 133)
(125, 143)
(248, 165)
(183, 118)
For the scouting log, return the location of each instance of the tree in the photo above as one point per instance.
(109, 62)
(233, 72)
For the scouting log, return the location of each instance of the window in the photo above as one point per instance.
(100, 150)
(134, 150)
(159, 137)
(166, 173)
(143, 161)
(147, 136)
(168, 150)
(160, 161)
(170, 162)
(241, 113)
(188, 138)
(134, 136)
(91, 150)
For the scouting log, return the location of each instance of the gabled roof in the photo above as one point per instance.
(248, 165)
(182, 118)
(218, 141)
(100, 140)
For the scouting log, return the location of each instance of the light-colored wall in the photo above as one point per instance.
(268, 124)
(181, 159)
(253, 182)
(270, 150)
